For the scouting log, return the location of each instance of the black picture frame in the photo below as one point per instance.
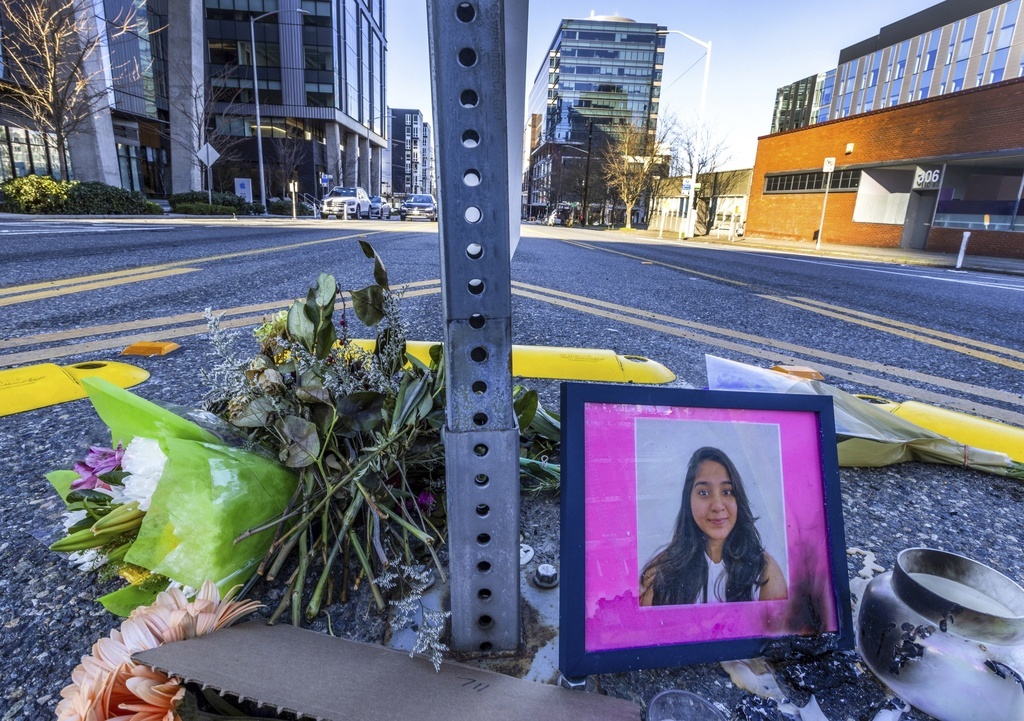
(625, 449)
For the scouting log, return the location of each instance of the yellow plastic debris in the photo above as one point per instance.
(583, 364)
(47, 384)
(799, 371)
(151, 348)
(961, 427)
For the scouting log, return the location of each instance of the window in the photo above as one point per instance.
(843, 180)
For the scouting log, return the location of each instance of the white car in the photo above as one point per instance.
(354, 201)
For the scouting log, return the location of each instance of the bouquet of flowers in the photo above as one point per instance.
(164, 503)
(341, 480)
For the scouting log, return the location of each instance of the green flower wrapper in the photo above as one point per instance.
(208, 495)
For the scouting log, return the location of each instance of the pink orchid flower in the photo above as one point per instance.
(98, 460)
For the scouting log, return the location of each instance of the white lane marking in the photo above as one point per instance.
(1018, 286)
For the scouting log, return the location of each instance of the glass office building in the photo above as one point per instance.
(322, 95)
(603, 70)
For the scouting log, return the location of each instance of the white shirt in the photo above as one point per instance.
(717, 578)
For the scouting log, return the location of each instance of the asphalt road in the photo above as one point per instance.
(82, 290)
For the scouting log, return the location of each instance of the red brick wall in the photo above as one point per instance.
(986, 119)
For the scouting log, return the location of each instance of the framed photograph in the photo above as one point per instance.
(697, 526)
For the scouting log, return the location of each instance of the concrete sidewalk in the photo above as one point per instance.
(899, 256)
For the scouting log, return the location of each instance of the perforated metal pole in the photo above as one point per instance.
(467, 45)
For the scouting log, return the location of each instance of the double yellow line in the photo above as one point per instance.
(27, 293)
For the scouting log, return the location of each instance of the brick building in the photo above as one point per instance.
(925, 165)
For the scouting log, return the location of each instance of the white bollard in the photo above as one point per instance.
(963, 249)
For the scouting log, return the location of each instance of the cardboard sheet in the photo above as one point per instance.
(322, 677)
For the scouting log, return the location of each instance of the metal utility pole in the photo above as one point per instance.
(471, 91)
(827, 167)
(586, 171)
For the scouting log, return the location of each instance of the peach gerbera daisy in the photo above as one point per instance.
(108, 683)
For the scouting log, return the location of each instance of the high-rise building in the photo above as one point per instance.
(603, 71)
(799, 104)
(322, 95)
(411, 153)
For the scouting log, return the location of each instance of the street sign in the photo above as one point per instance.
(829, 165)
(207, 154)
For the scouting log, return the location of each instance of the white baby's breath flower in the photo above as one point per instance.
(72, 517)
(88, 560)
(144, 462)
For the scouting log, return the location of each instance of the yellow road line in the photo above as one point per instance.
(691, 271)
(956, 347)
(159, 332)
(164, 321)
(664, 323)
(57, 292)
(961, 345)
(920, 329)
(11, 290)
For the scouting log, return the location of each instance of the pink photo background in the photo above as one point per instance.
(614, 618)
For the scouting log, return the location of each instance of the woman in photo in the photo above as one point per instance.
(716, 553)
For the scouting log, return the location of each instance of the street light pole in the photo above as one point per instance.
(691, 221)
(256, 93)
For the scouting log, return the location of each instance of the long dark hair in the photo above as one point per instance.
(679, 573)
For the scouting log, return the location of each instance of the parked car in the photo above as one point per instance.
(379, 208)
(419, 206)
(355, 199)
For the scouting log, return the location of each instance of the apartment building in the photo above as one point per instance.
(920, 141)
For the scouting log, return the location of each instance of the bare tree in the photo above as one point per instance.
(289, 155)
(699, 152)
(204, 106)
(634, 155)
(52, 53)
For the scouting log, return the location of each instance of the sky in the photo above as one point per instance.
(757, 46)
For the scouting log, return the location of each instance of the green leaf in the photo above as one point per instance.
(61, 482)
(326, 290)
(525, 407)
(379, 273)
(123, 601)
(87, 494)
(436, 355)
(256, 414)
(368, 304)
(300, 327)
(303, 442)
(407, 403)
(361, 411)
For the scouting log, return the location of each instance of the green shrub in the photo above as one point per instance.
(34, 194)
(201, 196)
(284, 207)
(204, 209)
(252, 209)
(93, 198)
(153, 209)
(43, 195)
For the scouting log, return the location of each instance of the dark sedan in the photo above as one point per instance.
(419, 206)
